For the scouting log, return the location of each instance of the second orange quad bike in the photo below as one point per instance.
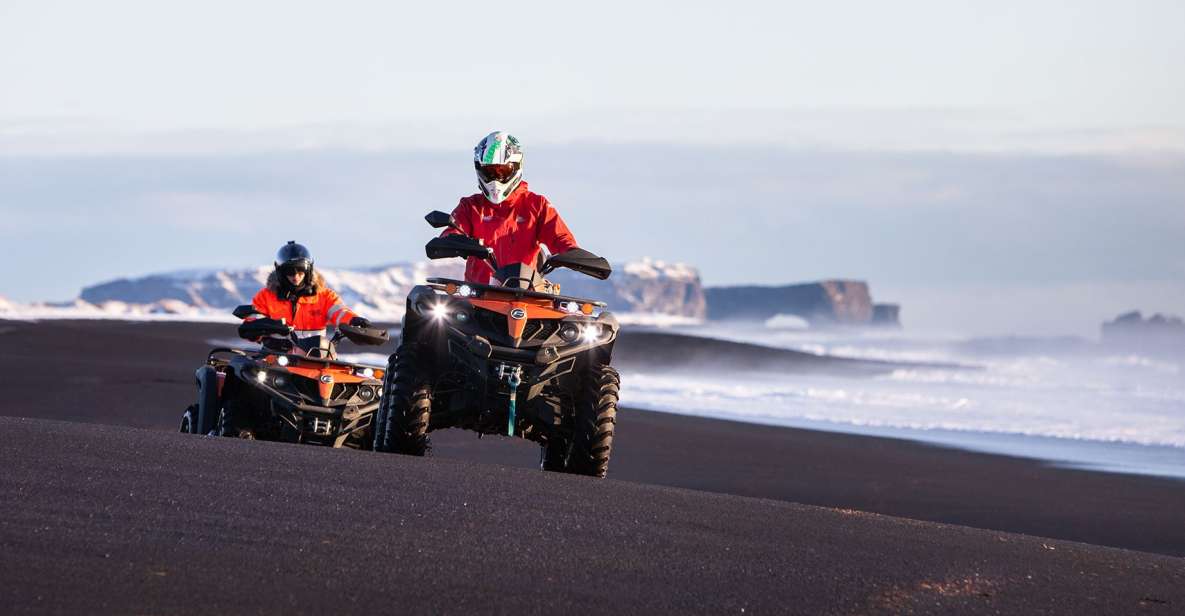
(290, 389)
(514, 358)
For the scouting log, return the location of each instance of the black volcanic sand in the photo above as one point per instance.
(142, 513)
(107, 519)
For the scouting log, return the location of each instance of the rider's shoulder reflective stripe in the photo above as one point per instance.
(336, 309)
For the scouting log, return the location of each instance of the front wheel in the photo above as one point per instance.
(554, 455)
(406, 406)
(233, 421)
(596, 416)
(378, 422)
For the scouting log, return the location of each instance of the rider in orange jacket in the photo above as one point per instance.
(506, 215)
(296, 292)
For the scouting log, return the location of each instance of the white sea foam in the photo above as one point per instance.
(888, 403)
(1060, 403)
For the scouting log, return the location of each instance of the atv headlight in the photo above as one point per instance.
(365, 373)
(569, 332)
(280, 381)
(261, 376)
(366, 393)
(438, 311)
(591, 333)
(282, 360)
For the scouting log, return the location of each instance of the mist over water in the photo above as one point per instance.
(1063, 399)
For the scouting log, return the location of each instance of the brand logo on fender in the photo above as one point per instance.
(325, 378)
(518, 314)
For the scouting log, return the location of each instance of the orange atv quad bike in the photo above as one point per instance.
(514, 358)
(291, 389)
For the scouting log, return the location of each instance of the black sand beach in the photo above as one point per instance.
(400, 531)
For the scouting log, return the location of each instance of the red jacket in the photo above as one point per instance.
(514, 228)
(308, 314)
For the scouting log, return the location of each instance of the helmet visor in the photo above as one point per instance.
(290, 268)
(497, 173)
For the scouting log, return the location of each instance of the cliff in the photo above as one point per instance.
(821, 304)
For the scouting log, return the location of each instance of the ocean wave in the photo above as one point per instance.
(949, 405)
(1139, 361)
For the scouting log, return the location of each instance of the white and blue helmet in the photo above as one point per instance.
(498, 159)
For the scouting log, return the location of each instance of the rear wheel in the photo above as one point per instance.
(596, 416)
(406, 407)
(187, 419)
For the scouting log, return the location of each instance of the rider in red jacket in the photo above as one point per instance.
(506, 215)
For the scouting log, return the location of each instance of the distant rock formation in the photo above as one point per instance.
(886, 315)
(646, 286)
(1156, 333)
(649, 287)
(823, 303)
(641, 292)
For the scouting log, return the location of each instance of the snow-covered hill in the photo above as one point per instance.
(644, 291)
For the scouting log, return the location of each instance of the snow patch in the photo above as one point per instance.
(651, 269)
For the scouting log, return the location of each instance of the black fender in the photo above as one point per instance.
(208, 404)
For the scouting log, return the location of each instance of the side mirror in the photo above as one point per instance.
(440, 220)
(580, 260)
(244, 311)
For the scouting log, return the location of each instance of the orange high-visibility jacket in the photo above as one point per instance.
(309, 314)
(514, 228)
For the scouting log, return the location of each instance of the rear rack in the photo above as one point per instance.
(516, 292)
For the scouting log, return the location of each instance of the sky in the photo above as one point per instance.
(935, 148)
(1080, 64)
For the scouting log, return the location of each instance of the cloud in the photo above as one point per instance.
(918, 129)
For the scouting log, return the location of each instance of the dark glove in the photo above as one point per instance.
(360, 322)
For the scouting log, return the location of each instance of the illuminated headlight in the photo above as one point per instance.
(261, 376)
(465, 290)
(570, 307)
(365, 373)
(438, 311)
(590, 333)
(282, 360)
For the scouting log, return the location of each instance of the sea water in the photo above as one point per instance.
(1070, 401)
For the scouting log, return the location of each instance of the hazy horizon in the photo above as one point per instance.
(919, 226)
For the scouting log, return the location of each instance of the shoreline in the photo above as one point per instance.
(676, 351)
(1121, 457)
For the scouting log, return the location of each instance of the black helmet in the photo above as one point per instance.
(294, 257)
